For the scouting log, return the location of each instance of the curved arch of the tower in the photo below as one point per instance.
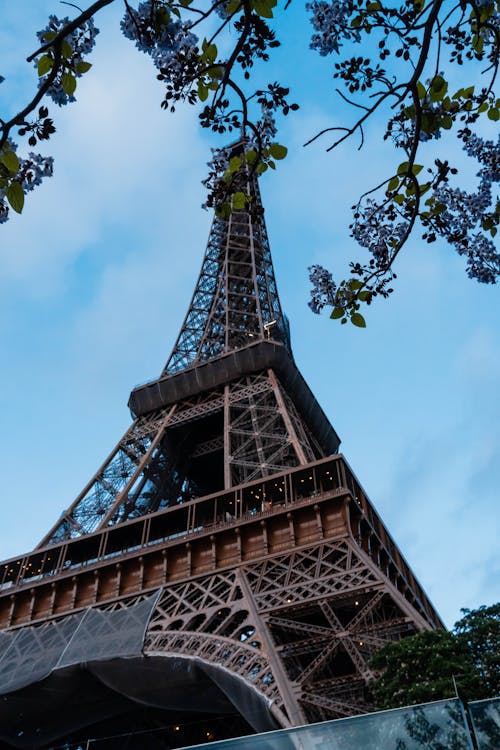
(223, 572)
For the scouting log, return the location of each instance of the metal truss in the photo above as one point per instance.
(290, 627)
(258, 433)
(235, 301)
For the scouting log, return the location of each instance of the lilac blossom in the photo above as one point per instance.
(377, 230)
(82, 41)
(30, 174)
(462, 220)
(332, 22)
(324, 288)
(154, 32)
(34, 169)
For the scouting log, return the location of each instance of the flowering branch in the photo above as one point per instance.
(399, 73)
(385, 216)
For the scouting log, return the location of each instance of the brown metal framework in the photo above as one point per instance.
(235, 299)
(270, 560)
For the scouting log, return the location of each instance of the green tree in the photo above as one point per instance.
(393, 59)
(427, 666)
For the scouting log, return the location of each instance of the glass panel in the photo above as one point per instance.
(486, 719)
(439, 725)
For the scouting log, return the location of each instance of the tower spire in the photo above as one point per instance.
(235, 302)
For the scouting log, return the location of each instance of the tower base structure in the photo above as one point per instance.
(267, 616)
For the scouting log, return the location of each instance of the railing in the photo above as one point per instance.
(240, 505)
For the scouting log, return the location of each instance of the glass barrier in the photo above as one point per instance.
(430, 726)
(441, 725)
(485, 717)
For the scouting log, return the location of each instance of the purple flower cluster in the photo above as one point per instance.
(487, 153)
(30, 174)
(323, 288)
(152, 29)
(266, 126)
(462, 220)
(220, 7)
(378, 230)
(34, 169)
(82, 41)
(332, 22)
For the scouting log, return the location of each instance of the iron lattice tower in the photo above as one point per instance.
(222, 562)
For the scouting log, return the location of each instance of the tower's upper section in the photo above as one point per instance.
(235, 302)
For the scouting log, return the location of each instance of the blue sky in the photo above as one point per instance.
(95, 278)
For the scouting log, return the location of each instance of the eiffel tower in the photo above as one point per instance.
(223, 572)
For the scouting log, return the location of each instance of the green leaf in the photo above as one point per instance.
(438, 89)
(250, 156)
(393, 184)
(49, 36)
(336, 313)
(66, 49)
(68, 82)
(277, 151)
(399, 199)
(264, 7)
(223, 211)
(234, 164)
(421, 90)
(364, 296)
(10, 160)
(211, 52)
(493, 114)
(202, 92)
(478, 44)
(82, 66)
(403, 168)
(355, 284)
(239, 201)
(15, 196)
(417, 168)
(163, 16)
(447, 122)
(358, 320)
(215, 72)
(45, 63)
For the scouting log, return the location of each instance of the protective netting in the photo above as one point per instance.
(60, 680)
(31, 654)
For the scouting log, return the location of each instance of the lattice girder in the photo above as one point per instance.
(290, 650)
(151, 467)
(235, 298)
